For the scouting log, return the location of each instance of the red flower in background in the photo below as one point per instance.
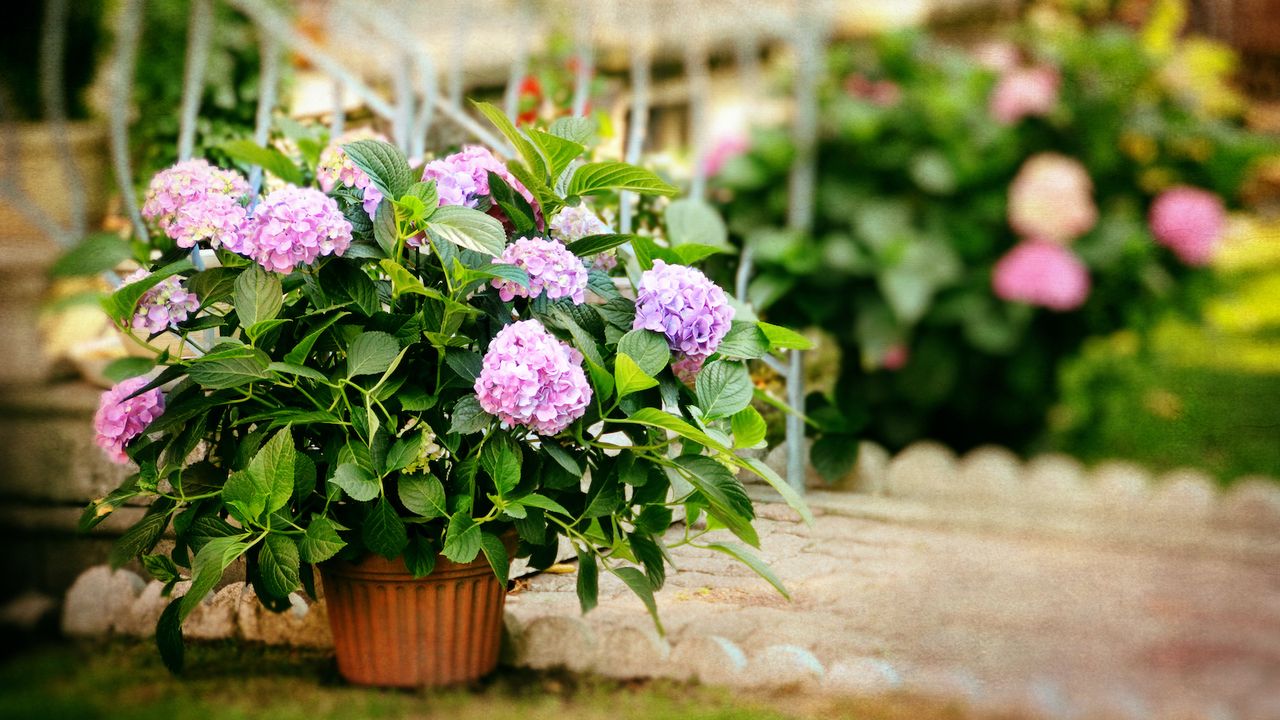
(529, 100)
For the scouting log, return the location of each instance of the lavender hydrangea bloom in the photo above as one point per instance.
(335, 169)
(463, 177)
(574, 223)
(121, 418)
(194, 201)
(551, 268)
(167, 303)
(532, 379)
(291, 226)
(681, 303)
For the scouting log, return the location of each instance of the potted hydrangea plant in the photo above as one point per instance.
(413, 376)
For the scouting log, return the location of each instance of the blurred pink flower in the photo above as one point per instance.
(1042, 273)
(1052, 199)
(1189, 221)
(998, 55)
(724, 150)
(896, 357)
(1024, 92)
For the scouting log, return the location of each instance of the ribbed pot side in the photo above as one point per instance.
(392, 630)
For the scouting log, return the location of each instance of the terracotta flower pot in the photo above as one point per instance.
(392, 630)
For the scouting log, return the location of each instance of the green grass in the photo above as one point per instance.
(231, 681)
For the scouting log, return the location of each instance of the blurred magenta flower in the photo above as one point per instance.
(896, 357)
(1024, 92)
(121, 418)
(884, 93)
(1051, 198)
(1190, 222)
(724, 150)
(1041, 273)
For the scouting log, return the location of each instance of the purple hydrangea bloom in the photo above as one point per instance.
(194, 201)
(681, 303)
(574, 223)
(121, 418)
(166, 303)
(293, 225)
(335, 168)
(532, 379)
(551, 268)
(463, 177)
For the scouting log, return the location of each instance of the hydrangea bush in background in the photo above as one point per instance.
(979, 214)
(425, 374)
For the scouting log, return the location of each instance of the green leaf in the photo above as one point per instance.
(371, 353)
(160, 567)
(596, 178)
(299, 370)
(694, 254)
(595, 244)
(655, 519)
(98, 253)
(121, 303)
(462, 538)
(782, 338)
(384, 532)
(723, 388)
(747, 557)
(654, 417)
(748, 427)
(213, 285)
(726, 499)
(143, 535)
(169, 636)
(385, 232)
(385, 165)
(207, 568)
(420, 556)
(629, 376)
(469, 229)
(744, 341)
(278, 565)
(246, 496)
(468, 416)
(404, 282)
(269, 159)
(588, 580)
(427, 193)
(540, 501)
(577, 129)
(357, 285)
(648, 349)
(691, 221)
(403, 452)
(300, 352)
(423, 495)
(232, 370)
(513, 204)
(272, 469)
(640, 585)
(359, 484)
(650, 555)
(834, 456)
(501, 458)
(561, 456)
(496, 553)
(526, 149)
(556, 151)
(499, 271)
(321, 541)
(127, 367)
(788, 493)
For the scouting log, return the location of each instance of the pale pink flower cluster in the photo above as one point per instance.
(335, 168)
(166, 303)
(531, 379)
(1042, 273)
(551, 268)
(574, 223)
(1024, 92)
(1051, 198)
(193, 201)
(1190, 222)
(293, 226)
(722, 151)
(463, 177)
(120, 418)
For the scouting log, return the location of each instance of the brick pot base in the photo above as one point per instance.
(392, 630)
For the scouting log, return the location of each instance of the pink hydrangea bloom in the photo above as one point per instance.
(1041, 273)
(1190, 222)
(687, 367)
(121, 418)
(1052, 199)
(463, 177)
(684, 305)
(164, 304)
(998, 55)
(194, 201)
(293, 225)
(574, 223)
(724, 150)
(335, 168)
(1024, 92)
(530, 378)
(551, 268)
